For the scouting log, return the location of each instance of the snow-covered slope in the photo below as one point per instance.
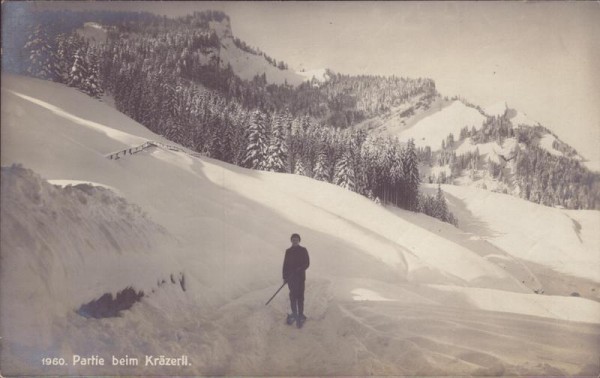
(432, 130)
(67, 242)
(431, 126)
(516, 117)
(485, 154)
(388, 291)
(247, 65)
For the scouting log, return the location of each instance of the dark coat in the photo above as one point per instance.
(295, 263)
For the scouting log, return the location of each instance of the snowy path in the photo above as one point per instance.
(539, 278)
(346, 337)
(261, 338)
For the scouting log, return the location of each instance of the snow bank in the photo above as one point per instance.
(388, 236)
(65, 183)
(63, 249)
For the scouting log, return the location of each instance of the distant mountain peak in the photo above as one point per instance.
(246, 61)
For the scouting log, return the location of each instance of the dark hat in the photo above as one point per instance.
(295, 236)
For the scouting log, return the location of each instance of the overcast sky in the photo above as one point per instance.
(541, 57)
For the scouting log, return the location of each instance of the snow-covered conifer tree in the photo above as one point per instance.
(239, 141)
(79, 71)
(92, 80)
(286, 122)
(257, 142)
(42, 60)
(370, 170)
(297, 126)
(63, 59)
(297, 141)
(228, 143)
(299, 168)
(441, 207)
(344, 172)
(392, 174)
(410, 168)
(276, 159)
(321, 171)
(427, 204)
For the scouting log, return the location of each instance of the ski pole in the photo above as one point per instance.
(278, 290)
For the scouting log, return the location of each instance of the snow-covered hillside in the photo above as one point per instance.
(518, 118)
(429, 125)
(489, 148)
(432, 130)
(389, 292)
(247, 65)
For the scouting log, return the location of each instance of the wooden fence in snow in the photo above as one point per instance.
(134, 150)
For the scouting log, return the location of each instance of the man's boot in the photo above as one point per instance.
(292, 317)
(301, 318)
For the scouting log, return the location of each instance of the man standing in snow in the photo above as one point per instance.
(295, 263)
